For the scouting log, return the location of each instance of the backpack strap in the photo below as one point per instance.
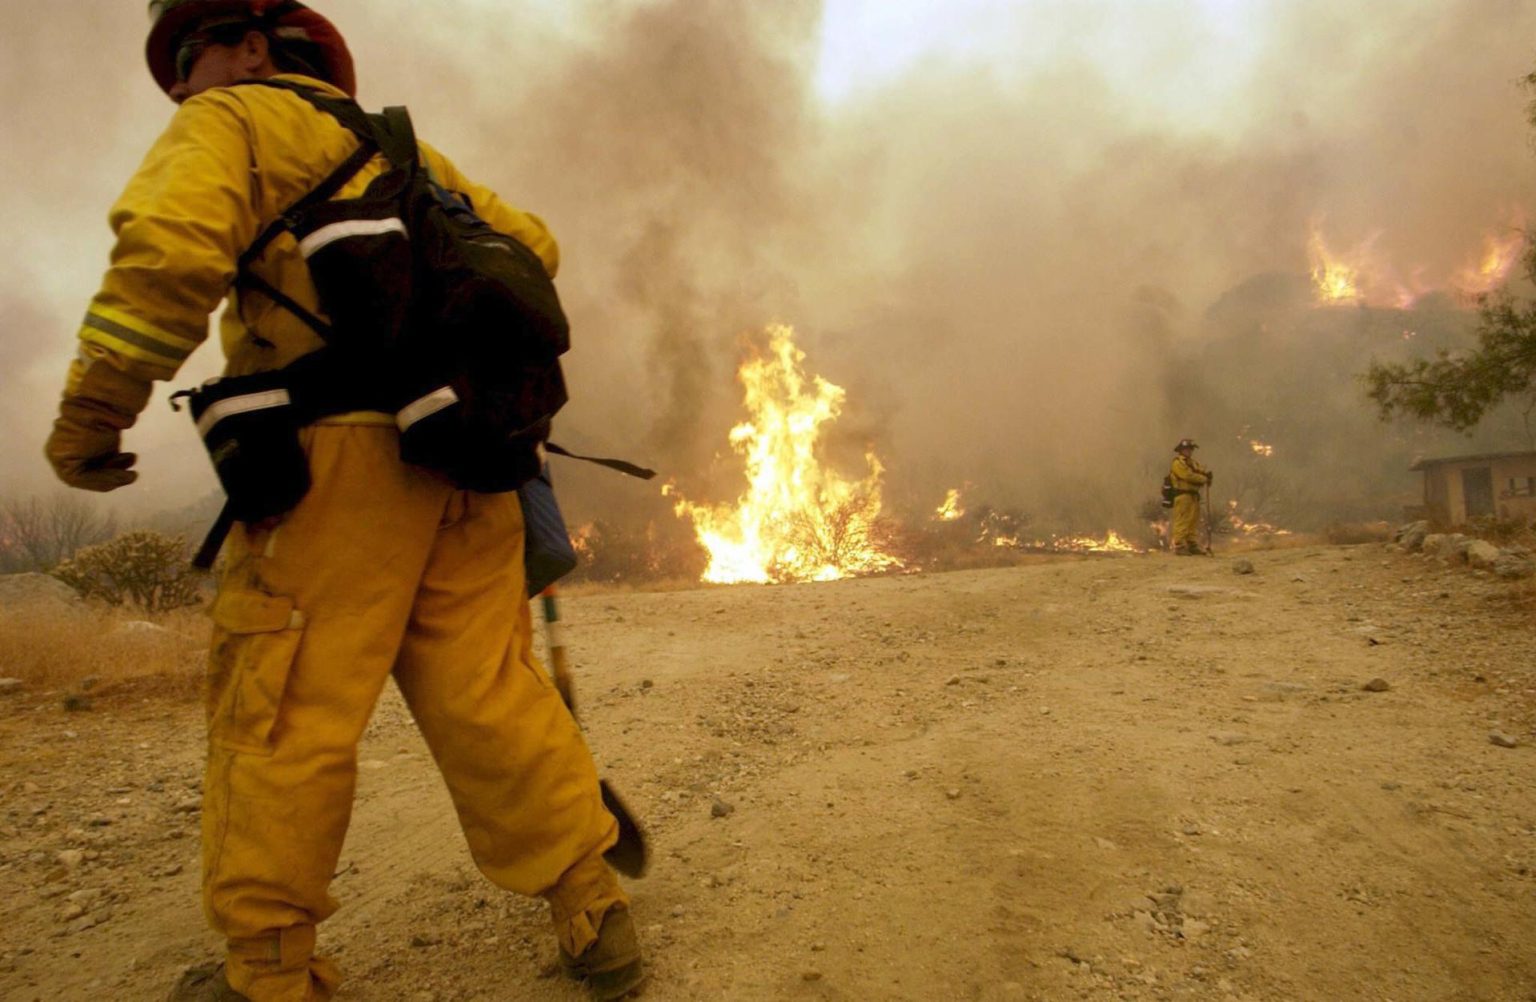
(396, 137)
(623, 466)
(371, 138)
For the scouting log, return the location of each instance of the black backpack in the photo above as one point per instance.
(434, 316)
(1168, 491)
(458, 325)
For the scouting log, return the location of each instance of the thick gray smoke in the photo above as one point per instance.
(1030, 274)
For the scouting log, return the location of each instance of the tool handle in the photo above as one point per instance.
(559, 661)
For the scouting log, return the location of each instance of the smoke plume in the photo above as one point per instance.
(1033, 264)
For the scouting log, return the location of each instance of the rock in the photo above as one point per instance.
(10, 686)
(1411, 536)
(810, 975)
(1482, 554)
(1205, 591)
(70, 858)
(76, 702)
(140, 627)
(953, 680)
(1377, 685)
(37, 592)
(952, 793)
(1503, 740)
(1242, 566)
(1229, 738)
(719, 808)
(1448, 546)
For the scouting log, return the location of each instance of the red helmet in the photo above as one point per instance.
(284, 20)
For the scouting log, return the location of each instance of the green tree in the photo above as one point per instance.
(1457, 389)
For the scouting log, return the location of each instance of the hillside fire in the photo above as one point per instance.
(1362, 276)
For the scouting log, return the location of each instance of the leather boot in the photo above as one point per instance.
(611, 967)
(204, 983)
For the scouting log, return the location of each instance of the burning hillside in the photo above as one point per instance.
(1364, 275)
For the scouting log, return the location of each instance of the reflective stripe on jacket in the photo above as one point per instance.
(230, 162)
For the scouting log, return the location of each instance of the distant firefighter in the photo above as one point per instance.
(1188, 478)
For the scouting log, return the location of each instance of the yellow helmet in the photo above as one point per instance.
(283, 20)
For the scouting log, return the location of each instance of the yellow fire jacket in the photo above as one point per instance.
(230, 162)
(1188, 475)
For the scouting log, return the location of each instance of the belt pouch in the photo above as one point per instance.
(250, 427)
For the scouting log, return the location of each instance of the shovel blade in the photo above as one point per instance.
(630, 854)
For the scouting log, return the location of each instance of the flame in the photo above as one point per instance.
(1250, 528)
(1111, 543)
(1500, 252)
(581, 540)
(1261, 448)
(1361, 276)
(950, 509)
(798, 520)
(1336, 280)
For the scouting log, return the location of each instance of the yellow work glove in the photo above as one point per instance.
(100, 403)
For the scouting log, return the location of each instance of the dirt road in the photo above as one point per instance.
(1133, 778)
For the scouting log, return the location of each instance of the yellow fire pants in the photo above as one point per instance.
(1186, 521)
(382, 569)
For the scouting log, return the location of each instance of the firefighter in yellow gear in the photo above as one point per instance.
(1189, 479)
(383, 569)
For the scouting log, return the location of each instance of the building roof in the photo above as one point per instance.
(1487, 457)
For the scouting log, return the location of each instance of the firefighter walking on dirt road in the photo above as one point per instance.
(382, 569)
(1189, 478)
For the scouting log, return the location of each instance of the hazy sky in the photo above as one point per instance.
(959, 205)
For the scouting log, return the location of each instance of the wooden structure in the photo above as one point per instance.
(1460, 488)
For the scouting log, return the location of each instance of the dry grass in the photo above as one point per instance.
(52, 647)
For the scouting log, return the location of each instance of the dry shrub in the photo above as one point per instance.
(51, 647)
(140, 568)
(1501, 531)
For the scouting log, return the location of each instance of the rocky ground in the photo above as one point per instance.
(1116, 778)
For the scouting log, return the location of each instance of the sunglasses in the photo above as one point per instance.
(197, 42)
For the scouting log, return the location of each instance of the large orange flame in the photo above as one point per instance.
(1363, 276)
(798, 520)
(1335, 278)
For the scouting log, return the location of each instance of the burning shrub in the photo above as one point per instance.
(613, 553)
(140, 568)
